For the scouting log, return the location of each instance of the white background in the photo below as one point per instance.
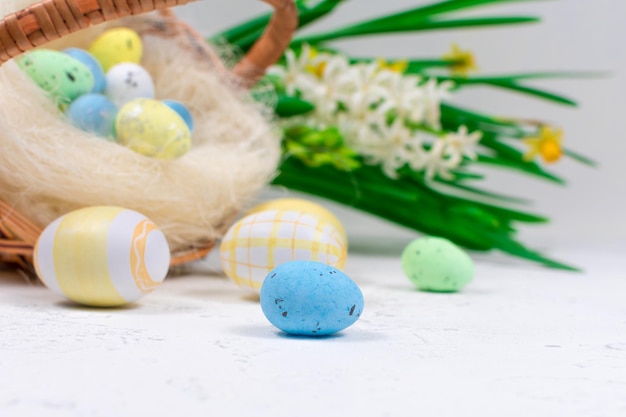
(519, 341)
(574, 35)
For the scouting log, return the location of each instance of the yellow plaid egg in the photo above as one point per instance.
(305, 206)
(102, 256)
(259, 242)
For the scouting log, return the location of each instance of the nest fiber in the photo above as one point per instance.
(48, 167)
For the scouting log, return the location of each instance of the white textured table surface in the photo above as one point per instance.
(520, 341)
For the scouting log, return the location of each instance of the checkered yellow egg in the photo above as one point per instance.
(263, 240)
(305, 206)
(102, 256)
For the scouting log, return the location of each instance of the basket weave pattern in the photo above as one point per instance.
(50, 20)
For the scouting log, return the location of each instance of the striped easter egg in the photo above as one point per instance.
(261, 241)
(102, 256)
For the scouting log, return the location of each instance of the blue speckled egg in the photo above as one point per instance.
(94, 66)
(182, 111)
(93, 113)
(310, 299)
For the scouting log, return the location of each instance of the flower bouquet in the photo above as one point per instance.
(384, 135)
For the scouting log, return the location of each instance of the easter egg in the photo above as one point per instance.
(305, 206)
(102, 256)
(182, 111)
(93, 113)
(310, 299)
(64, 77)
(151, 128)
(261, 241)
(116, 46)
(94, 66)
(437, 265)
(126, 82)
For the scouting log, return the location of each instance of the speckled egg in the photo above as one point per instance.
(305, 206)
(261, 241)
(151, 128)
(92, 63)
(310, 299)
(93, 113)
(116, 46)
(102, 256)
(64, 77)
(126, 82)
(437, 265)
(182, 111)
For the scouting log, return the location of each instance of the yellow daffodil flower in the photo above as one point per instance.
(463, 62)
(397, 66)
(547, 144)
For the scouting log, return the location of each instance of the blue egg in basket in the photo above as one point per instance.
(93, 113)
(182, 111)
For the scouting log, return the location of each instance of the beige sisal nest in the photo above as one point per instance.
(48, 167)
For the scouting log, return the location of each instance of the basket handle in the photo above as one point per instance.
(52, 19)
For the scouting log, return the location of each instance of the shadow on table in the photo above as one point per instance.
(269, 332)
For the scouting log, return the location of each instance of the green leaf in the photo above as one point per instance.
(307, 16)
(535, 92)
(409, 25)
(581, 158)
(524, 167)
(236, 33)
(522, 76)
(487, 194)
(288, 106)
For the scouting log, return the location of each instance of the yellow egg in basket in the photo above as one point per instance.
(102, 256)
(117, 45)
(261, 241)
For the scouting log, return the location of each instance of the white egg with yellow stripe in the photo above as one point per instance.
(102, 256)
(261, 241)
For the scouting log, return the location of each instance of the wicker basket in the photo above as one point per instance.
(52, 21)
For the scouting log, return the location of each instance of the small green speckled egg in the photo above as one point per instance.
(116, 46)
(61, 75)
(151, 128)
(437, 265)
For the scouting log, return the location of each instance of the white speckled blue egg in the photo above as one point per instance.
(102, 256)
(182, 111)
(128, 81)
(261, 241)
(93, 113)
(310, 299)
(94, 66)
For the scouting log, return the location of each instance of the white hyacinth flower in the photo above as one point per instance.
(404, 96)
(330, 88)
(437, 163)
(462, 143)
(294, 74)
(394, 147)
(434, 93)
(362, 84)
